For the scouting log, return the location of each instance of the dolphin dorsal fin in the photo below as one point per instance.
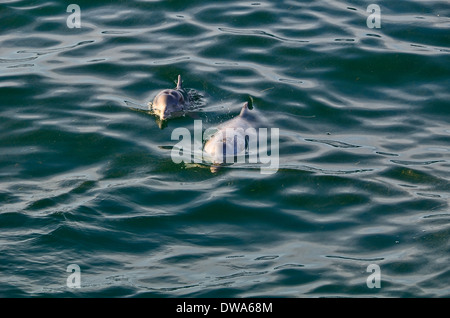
(244, 109)
(179, 83)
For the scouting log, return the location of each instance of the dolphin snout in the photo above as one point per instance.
(164, 115)
(167, 104)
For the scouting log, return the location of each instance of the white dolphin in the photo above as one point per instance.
(234, 138)
(170, 103)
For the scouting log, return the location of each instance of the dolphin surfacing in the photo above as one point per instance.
(170, 103)
(234, 139)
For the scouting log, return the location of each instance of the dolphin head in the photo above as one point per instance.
(169, 102)
(225, 145)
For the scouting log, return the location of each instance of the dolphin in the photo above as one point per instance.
(234, 138)
(170, 103)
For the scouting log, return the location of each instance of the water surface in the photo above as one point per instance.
(363, 176)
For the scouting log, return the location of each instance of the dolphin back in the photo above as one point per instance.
(251, 116)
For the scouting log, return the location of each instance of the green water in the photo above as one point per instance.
(87, 177)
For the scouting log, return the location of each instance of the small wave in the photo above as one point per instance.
(334, 143)
(57, 49)
(286, 266)
(27, 59)
(259, 33)
(374, 259)
(416, 163)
